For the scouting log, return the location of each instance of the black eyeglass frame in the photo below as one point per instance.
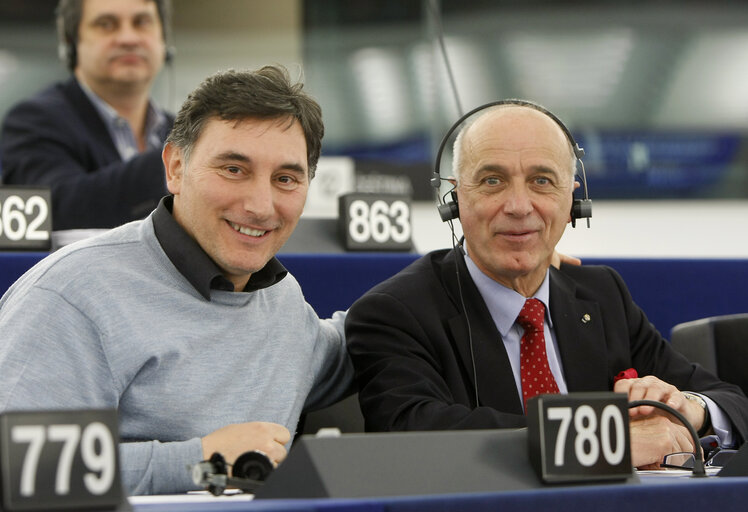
(717, 458)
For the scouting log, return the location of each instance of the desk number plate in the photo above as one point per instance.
(61, 460)
(25, 218)
(579, 437)
(375, 222)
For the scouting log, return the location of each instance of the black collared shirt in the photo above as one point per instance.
(195, 264)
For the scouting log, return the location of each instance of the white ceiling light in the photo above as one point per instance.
(380, 80)
(569, 70)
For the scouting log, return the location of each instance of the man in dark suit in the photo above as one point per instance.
(96, 138)
(440, 345)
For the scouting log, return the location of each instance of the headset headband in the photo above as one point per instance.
(448, 211)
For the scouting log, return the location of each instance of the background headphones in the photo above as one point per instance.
(68, 54)
(448, 210)
(249, 472)
(68, 18)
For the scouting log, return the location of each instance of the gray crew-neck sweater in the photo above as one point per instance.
(110, 322)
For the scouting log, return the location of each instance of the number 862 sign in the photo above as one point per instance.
(375, 222)
(579, 437)
(25, 218)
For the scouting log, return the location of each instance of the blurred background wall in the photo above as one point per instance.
(655, 91)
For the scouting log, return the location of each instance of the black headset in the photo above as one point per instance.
(249, 472)
(448, 210)
(69, 54)
(68, 35)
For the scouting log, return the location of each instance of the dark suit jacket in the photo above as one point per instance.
(57, 139)
(415, 366)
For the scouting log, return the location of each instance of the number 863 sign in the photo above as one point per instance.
(375, 222)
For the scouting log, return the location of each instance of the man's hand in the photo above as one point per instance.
(652, 388)
(653, 437)
(233, 440)
(557, 258)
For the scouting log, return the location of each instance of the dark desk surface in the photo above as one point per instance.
(652, 494)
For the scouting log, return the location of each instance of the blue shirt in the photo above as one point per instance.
(119, 129)
(504, 305)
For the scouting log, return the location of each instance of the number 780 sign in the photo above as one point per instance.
(579, 437)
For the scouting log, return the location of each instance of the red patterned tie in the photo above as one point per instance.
(536, 375)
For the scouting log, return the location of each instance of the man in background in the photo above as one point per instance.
(463, 337)
(185, 322)
(96, 138)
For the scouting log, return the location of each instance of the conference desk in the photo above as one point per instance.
(670, 291)
(652, 494)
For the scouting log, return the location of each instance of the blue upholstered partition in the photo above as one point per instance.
(669, 290)
(13, 264)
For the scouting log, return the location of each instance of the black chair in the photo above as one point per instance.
(718, 343)
(344, 415)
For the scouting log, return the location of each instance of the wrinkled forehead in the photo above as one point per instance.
(518, 125)
(516, 129)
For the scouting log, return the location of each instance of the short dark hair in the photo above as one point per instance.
(266, 93)
(68, 18)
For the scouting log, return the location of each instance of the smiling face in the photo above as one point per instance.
(242, 191)
(515, 192)
(119, 43)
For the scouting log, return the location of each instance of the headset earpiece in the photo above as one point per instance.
(449, 210)
(248, 472)
(67, 54)
(252, 465)
(169, 54)
(211, 474)
(580, 208)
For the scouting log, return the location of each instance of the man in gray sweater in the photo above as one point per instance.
(185, 322)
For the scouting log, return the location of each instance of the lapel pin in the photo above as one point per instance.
(586, 318)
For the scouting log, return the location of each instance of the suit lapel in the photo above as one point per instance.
(580, 336)
(487, 357)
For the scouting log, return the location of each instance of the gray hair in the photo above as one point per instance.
(458, 147)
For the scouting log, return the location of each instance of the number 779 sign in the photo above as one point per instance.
(59, 460)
